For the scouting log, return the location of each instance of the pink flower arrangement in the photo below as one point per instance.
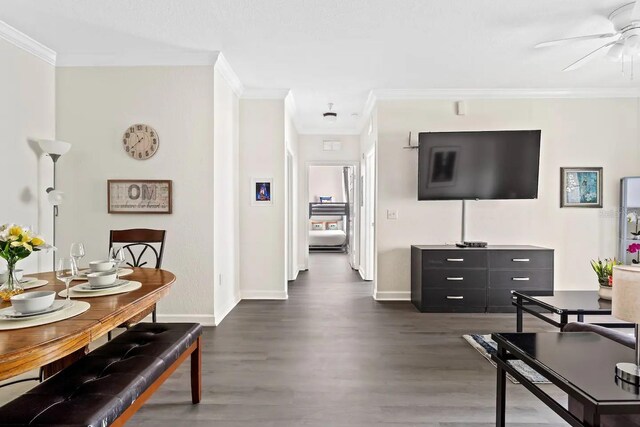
(634, 248)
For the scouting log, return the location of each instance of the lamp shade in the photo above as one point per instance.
(53, 147)
(55, 197)
(625, 301)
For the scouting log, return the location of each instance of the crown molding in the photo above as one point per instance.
(138, 59)
(26, 43)
(229, 75)
(253, 93)
(456, 94)
(369, 105)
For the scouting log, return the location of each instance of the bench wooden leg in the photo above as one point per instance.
(196, 373)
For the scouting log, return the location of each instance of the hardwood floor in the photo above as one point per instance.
(332, 356)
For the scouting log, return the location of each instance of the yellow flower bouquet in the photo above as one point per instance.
(17, 243)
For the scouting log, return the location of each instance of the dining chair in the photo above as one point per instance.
(143, 247)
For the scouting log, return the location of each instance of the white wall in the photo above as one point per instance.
(94, 107)
(226, 231)
(311, 151)
(575, 132)
(326, 181)
(262, 228)
(27, 110)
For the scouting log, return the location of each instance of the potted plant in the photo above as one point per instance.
(604, 272)
(17, 243)
(632, 218)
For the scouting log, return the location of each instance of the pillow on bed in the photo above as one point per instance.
(332, 226)
(318, 225)
(325, 199)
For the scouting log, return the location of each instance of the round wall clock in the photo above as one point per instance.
(140, 141)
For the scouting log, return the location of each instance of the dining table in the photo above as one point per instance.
(56, 345)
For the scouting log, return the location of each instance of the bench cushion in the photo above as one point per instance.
(99, 387)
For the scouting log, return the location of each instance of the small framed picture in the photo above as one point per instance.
(580, 187)
(261, 191)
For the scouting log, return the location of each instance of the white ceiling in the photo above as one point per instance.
(338, 50)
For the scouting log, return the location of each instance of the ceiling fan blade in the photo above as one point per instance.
(585, 59)
(635, 13)
(575, 39)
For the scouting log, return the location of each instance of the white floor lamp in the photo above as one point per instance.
(54, 149)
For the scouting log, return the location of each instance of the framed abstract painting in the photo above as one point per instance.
(580, 187)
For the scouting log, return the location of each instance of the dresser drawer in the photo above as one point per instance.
(455, 299)
(466, 278)
(454, 259)
(521, 279)
(521, 259)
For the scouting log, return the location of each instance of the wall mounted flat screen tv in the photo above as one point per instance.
(478, 165)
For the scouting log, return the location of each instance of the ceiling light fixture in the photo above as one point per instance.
(330, 116)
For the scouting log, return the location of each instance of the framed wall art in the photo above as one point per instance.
(139, 196)
(581, 187)
(261, 191)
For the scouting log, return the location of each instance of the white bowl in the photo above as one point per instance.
(98, 266)
(32, 302)
(105, 278)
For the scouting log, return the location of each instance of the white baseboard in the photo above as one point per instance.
(392, 296)
(259, 294)
(302, 267)
(220, 316)
(203, 319)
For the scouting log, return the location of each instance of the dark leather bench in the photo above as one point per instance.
(107, 386)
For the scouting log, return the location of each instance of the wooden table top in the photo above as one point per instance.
(22, 350)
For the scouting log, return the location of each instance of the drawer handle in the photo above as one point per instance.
(455, 279)
(520, 279)
(455, 297)
(455, 259)
(520, 260)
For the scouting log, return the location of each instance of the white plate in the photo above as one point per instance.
(10, 313)
(83, 273)
(86, 287)
(132, 286)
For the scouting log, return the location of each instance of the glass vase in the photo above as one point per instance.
(12, 285)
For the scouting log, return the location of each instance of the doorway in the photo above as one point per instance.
(331, 217)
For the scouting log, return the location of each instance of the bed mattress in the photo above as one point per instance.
(327, 237)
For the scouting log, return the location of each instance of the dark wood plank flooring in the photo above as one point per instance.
(332, 356)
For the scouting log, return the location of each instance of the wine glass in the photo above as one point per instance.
(66, 270)
(77, 252)
(116, 255)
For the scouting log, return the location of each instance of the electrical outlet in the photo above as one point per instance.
(392, 214)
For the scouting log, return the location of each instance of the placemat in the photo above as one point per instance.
(76, 309)
(132, 286)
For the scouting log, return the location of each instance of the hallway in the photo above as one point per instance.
(332, 356)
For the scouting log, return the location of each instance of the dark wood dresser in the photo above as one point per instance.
(448, 279)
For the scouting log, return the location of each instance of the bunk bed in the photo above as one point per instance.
(329, 240)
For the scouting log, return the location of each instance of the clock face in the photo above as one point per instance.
(140, 141)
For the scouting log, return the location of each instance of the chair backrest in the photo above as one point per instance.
(142, 239)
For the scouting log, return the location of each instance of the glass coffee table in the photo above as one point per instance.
(563, 303)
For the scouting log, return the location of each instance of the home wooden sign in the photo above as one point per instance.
(135, 196)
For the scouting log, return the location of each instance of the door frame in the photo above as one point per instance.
(304, 203)
(291, 266)
(369, 192)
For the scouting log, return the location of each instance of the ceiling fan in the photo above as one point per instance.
(625, 40)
